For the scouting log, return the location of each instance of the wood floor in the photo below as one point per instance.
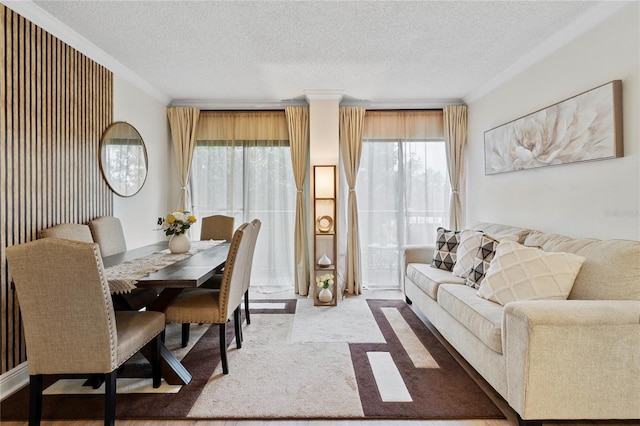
(511, 417)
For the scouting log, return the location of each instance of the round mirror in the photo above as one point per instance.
(123, 159)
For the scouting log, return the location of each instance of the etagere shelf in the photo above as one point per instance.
(325, 231)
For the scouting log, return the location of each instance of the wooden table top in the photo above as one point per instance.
(189, 272)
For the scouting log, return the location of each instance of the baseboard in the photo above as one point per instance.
(13, 380)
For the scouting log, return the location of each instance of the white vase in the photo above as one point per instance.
(325, 295)
(179, 243)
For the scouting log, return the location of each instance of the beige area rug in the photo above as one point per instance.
(272, 376)
(350, 321)
(363, 359)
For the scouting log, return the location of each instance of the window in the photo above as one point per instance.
(250, 179)
(403, 196)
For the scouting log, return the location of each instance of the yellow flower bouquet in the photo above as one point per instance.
(177, 222)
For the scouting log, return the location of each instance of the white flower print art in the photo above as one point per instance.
(583, 128)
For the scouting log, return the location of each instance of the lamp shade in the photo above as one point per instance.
(324, 181)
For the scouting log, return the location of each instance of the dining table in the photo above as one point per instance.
(176, 273)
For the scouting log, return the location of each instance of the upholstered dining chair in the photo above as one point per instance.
(210, 306)
(135, 300)
(256, 224)
(217, 227)
(69, 323)
(216, 280)
(108, 233)
(68, 231)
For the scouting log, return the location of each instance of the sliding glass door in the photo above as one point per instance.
(403, 196)
(247, 180)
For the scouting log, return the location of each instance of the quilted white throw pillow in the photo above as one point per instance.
(518, 272)
(467, 249)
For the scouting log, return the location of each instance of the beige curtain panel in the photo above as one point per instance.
(351, 130)
(298, 125)
(455, 137)
(183, 122)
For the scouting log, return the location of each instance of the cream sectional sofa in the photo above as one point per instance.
(549, 359)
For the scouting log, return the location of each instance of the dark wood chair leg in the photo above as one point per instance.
(246, 307)
(155, 361)
(223, 348)
(185, 334)
(237, 322)
(35, 399)
(110, 399)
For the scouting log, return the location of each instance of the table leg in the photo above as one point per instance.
(173, 371)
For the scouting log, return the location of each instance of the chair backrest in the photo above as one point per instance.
(232, 284)
(107, 232)
(67, 313)
(217, 227)
(68, 231)
(255, 226)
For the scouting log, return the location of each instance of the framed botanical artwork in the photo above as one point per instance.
(585, 127)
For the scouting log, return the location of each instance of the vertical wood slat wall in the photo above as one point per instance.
(55, 105)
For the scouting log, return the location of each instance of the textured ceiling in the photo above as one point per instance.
(379, 51)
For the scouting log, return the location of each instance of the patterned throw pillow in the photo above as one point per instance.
(444, 256)
(465, 255)
(518, 272)
(481, 262)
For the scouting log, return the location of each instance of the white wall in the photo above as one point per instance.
(598, 199)
(140, 212)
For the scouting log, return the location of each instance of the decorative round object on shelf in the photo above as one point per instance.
(324, 223)
(324, 261)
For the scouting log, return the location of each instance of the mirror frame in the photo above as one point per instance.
(105, 141)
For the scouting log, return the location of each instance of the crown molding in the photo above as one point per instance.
(324, 95)
(401, 103)
(55, 27)
(589, 20)
(240, 104)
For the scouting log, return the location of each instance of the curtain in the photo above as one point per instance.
(183, 122)
(298, 123)
(455, 136)
(351, 128)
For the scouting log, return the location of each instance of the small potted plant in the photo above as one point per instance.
(325, 281)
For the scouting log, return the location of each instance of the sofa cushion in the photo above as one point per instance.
(466, 253)
(611, 270)
(480, 316)
(518, 273)
(428, 278)
(497, 230)
(444, 256)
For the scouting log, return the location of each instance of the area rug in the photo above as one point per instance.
(297, 361)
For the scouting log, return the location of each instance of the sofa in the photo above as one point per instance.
(574, 357)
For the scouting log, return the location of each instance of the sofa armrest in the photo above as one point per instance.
(417, 254)
(573, 359)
